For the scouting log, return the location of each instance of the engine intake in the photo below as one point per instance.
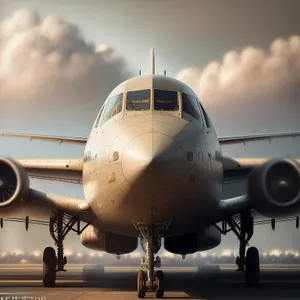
(14, 182)
(274, 188)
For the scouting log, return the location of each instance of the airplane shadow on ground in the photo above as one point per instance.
(208, 283)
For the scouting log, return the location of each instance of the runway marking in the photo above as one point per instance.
(40, 281)
(16, 293)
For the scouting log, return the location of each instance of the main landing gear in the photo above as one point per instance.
(49, 267)
(151, 243)
(60, 225)
(247, 262)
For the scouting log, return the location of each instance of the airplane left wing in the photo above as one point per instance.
(256, 137)
(237, 169)
(272, 188)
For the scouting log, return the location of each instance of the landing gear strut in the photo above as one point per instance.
(247, 262)
(151, 243)
(60, 225)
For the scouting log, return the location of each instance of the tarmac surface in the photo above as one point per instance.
(89, 282)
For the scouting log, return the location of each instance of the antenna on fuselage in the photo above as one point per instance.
(165, 72)
(152, 61)
(140, 72)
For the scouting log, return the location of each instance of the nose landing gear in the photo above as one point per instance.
(150, 282)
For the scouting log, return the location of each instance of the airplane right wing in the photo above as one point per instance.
(38, 207)
(18, 200)
(16, 196)
(60, 139)
(54, 169)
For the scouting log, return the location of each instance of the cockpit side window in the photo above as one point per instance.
(165, 100)
(99, 117)
(138, 100)
(207, 120)
(112, 108)
(191, 107)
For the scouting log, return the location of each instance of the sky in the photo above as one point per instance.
(60, 59)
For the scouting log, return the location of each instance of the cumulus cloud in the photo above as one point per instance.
(46, 64)
(37, 56)
(249, 73)
(257, 89)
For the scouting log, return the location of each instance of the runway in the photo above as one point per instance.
(90, 282)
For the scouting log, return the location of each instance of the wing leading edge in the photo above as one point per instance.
(60, 139)
(256, 137)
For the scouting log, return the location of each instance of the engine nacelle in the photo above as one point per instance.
(190, 243)
(14, 182)
(274, 188)
(96, 239)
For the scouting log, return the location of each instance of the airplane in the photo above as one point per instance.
(152, 171)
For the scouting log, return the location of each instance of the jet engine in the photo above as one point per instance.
(206, 239)
(96, 239)
(14, 182)
(274, 188)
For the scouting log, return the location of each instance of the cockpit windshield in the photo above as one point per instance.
(138, 100)
(165, 100)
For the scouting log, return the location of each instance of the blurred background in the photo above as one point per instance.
(59, 60)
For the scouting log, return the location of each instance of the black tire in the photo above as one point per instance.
(49, 267)
(141, 284)
(160, 284)
(252, 267)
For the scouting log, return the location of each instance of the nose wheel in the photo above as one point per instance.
(159, 284)
(141, 284)
(150, 282)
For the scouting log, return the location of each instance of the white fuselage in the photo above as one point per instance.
(152, 166)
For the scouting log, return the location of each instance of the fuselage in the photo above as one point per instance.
(152, 158)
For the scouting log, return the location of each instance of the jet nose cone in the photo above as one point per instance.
(152, 162)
